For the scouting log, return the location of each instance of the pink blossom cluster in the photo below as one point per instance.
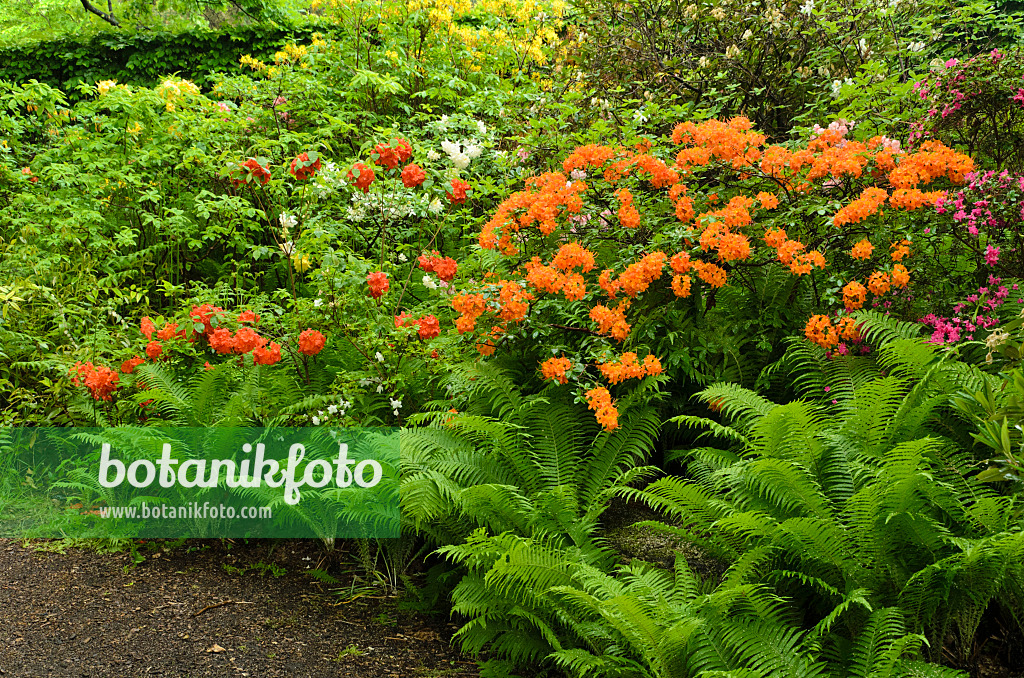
(969, 316)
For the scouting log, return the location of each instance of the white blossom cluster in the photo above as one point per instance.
(332, 411)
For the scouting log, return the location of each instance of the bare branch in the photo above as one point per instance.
(108, 17)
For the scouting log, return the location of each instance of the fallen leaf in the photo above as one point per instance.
(216, 649)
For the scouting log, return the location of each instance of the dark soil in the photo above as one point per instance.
(209, 608)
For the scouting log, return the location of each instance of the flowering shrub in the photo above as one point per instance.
(631, 201)
(978, 104)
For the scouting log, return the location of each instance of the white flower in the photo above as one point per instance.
(639, 116)
(317, 303)
(397, 404)
(748, 34)
(365, 382)
(916, 46)
(287, 220)
(316, 420)
(578, 174)
(481, 128)
(718, 13)
(402, 258)
(474, 151)
(460, 160)
(703, 63)
(837, 86)
(332, 409)
(732, 51)
(807, 8)
(433, 155)
(444, 119)
(379, 356)
(429, 283)
(450, 148)
(863, 47)
(380, 388)
(435, 206)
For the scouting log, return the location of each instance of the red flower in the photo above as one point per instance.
(403, 149)
(169, 331)
(101, 381)
(428, 327)
(365, 177)
(202, 314)
(154, 350)
(267, 356)
(207, 366)
(434, 354)
(253, 170)
(28, 172)
(413, 175)
(386, 156)
(302, 168)
(221, 340)
(128, 366)
(378, 282)
(246, 339)
(446, 269)
(458, 192)
(402, 319)
(248, 316)
(311, 342)
(147, 327)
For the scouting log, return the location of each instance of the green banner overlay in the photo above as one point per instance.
(199, 482)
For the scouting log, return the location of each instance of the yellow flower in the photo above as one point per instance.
(105, 86)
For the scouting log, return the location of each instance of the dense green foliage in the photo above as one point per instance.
(588, 257)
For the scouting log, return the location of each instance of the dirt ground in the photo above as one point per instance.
(209, 608)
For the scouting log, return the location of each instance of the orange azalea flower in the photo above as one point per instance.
(819, 329)
(879, 283)
(862, 250)
(900, 275)
(555, 369)
(854, 295)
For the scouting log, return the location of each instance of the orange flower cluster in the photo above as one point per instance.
(913, 198)
(591, 155)
(600, 400)
(101, 381)
(848, 329)
(776, 237)
(555, 368)
(681, 285)
(628, 367)
(710, 274)
(819, 329)
(854, 295)
(861, 208)
(900, 275)
(546, 198)
(791, 253)
(639, 275)
(732, 142)
(933, 161)
(879, 283)
(549, 279)
(768, 200)
(848, 159)
(611, 321)
(573, 255)
(628, 216)
(900, 250)
(514, 301)
(862, 250)
(471, 307)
